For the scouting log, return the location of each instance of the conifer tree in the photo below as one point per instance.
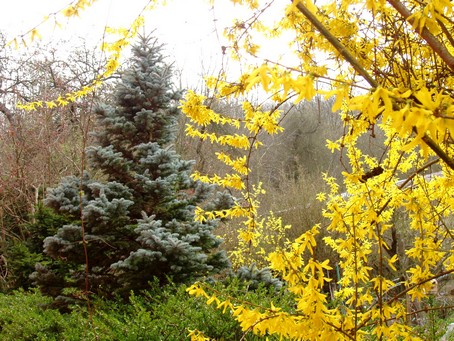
(138, 223)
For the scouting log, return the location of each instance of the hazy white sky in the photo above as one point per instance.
(191, 29)
(188, 28)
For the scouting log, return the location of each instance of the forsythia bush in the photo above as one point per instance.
(389, 65)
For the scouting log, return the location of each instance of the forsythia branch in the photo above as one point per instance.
(433, 42)
(336, 43)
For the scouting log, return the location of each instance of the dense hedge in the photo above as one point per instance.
(158, 314)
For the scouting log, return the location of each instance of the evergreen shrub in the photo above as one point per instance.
(160, 313)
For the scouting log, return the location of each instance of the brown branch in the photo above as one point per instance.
(433, 42)
(437, 150)
(344, 52)
(446, 32)
(427, 309)
(8, 113)
(405, 292)
(430, 39)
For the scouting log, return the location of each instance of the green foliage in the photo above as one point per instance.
(22, 254)
(165, 313)
(432, 318)
(46, 222)
(21, 263)
(23, 318)
(256, 277)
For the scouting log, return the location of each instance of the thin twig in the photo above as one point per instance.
(343, 50)
(430, 39)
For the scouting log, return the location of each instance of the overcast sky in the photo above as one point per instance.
(188, 28)
(191, 30)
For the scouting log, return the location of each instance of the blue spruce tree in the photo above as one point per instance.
(138, 223)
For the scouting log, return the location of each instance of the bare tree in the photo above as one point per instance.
(41, 146)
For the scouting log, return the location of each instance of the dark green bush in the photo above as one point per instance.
(158, 314)
(168, 314)
(23, 318)
(21, 255)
